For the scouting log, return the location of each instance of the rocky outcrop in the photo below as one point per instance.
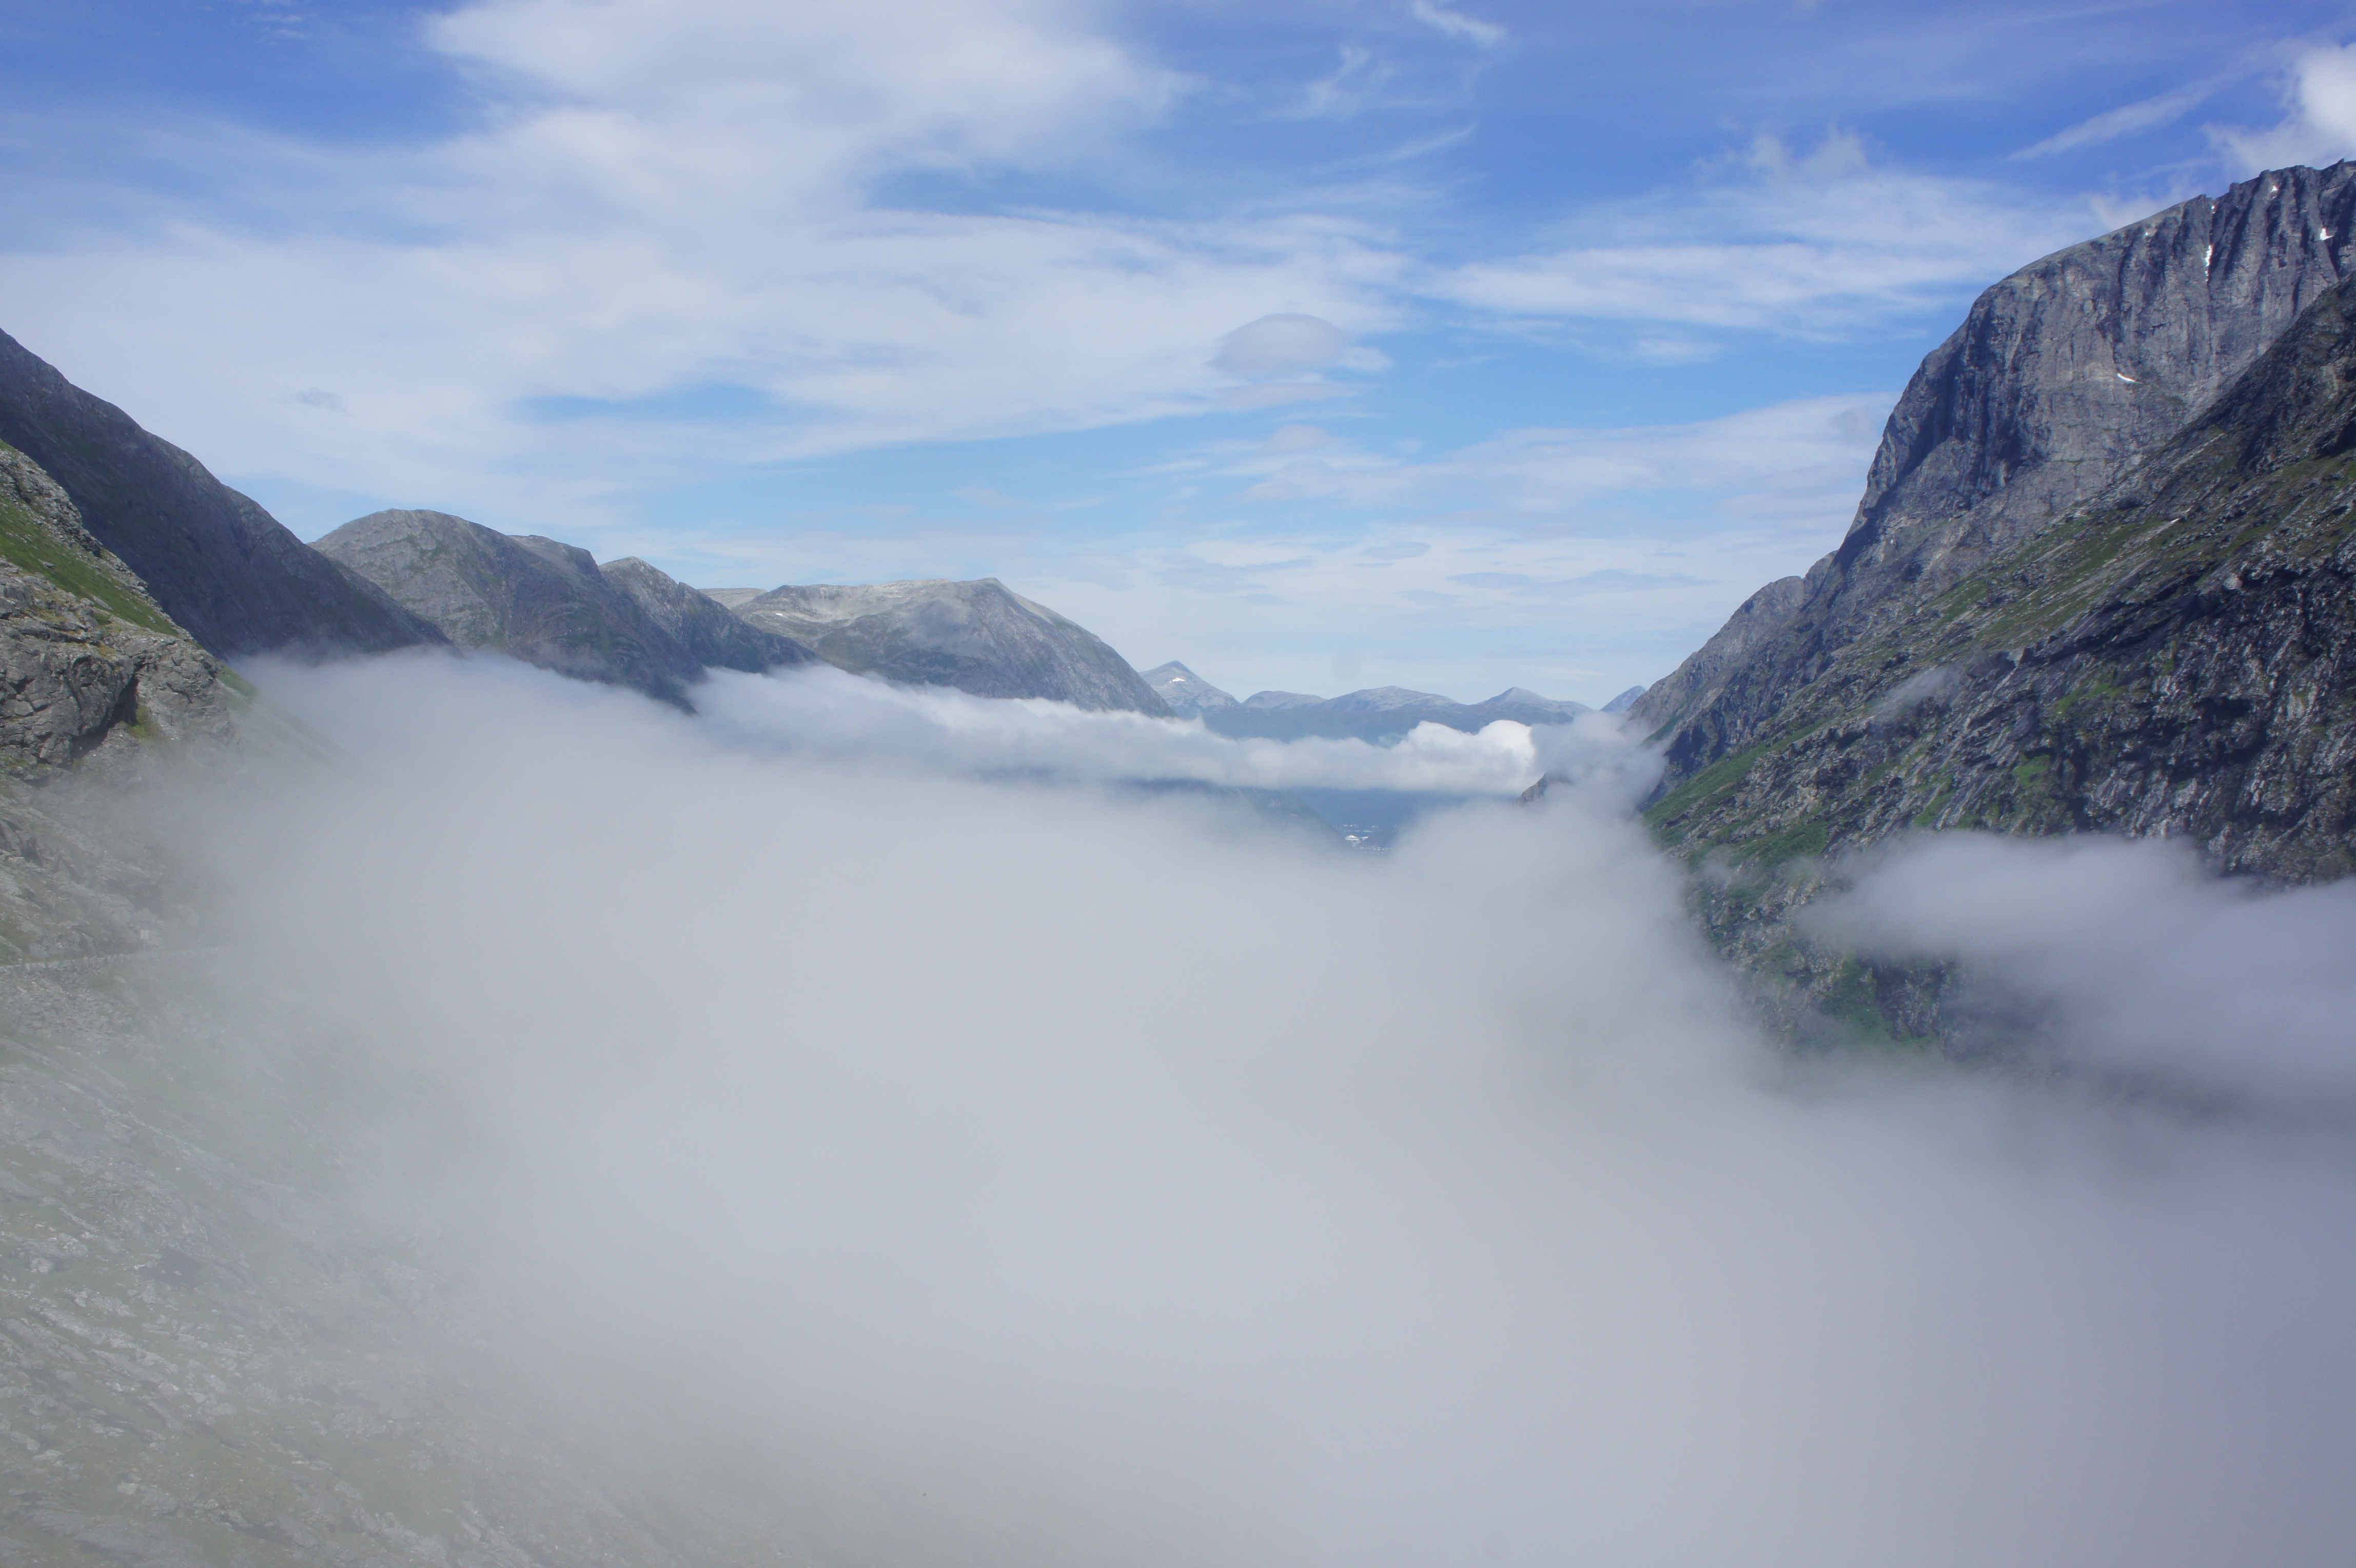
(980, 637)
(215, 563)
(2061, 376)
(1381, 713)
(1185, 693)
(547, 603)
(95, 682)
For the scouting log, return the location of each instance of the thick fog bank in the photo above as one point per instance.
(1015, 1173)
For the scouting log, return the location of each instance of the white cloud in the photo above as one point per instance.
(2149, 970)
(1003, 1175)
(1803, 243)
(2320, 124)
(667, 200)
(824, 713)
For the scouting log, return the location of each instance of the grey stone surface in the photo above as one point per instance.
(216, 563)
(1185, 693)
(1625, 700)
(2060, 377)
(548, 603)
(97, 686)
(979, 637)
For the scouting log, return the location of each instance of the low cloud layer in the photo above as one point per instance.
(826, 713)
(1009, 1172)
(2134, 963)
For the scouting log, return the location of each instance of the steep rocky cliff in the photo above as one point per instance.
(980, 637)
(2176, 658)
(216, 563)
(2061, 376)
(2098, 581)
(548, 604)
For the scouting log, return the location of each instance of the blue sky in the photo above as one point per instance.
(1325, 345)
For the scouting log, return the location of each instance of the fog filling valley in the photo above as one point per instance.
(979, 1163)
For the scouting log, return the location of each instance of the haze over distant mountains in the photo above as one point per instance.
(1378, 713)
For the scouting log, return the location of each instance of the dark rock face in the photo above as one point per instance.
(1186, 692)
(2061, 376)
(979, 637)
(215, 563)
(1381, 713)
(548, 603)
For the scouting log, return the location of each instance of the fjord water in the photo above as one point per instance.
(975, 1171)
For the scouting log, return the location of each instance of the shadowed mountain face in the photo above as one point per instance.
(979, 637)
(1380, 712)
(548, 604)
(214, 561)
(2060, 378)
(1186, 692)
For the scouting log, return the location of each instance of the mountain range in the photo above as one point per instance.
(1379, 713)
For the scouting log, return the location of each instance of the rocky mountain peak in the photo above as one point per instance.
(1183, 691)
(548, 603)
(980, 637)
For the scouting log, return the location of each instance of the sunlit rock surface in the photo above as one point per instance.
(979, 637)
